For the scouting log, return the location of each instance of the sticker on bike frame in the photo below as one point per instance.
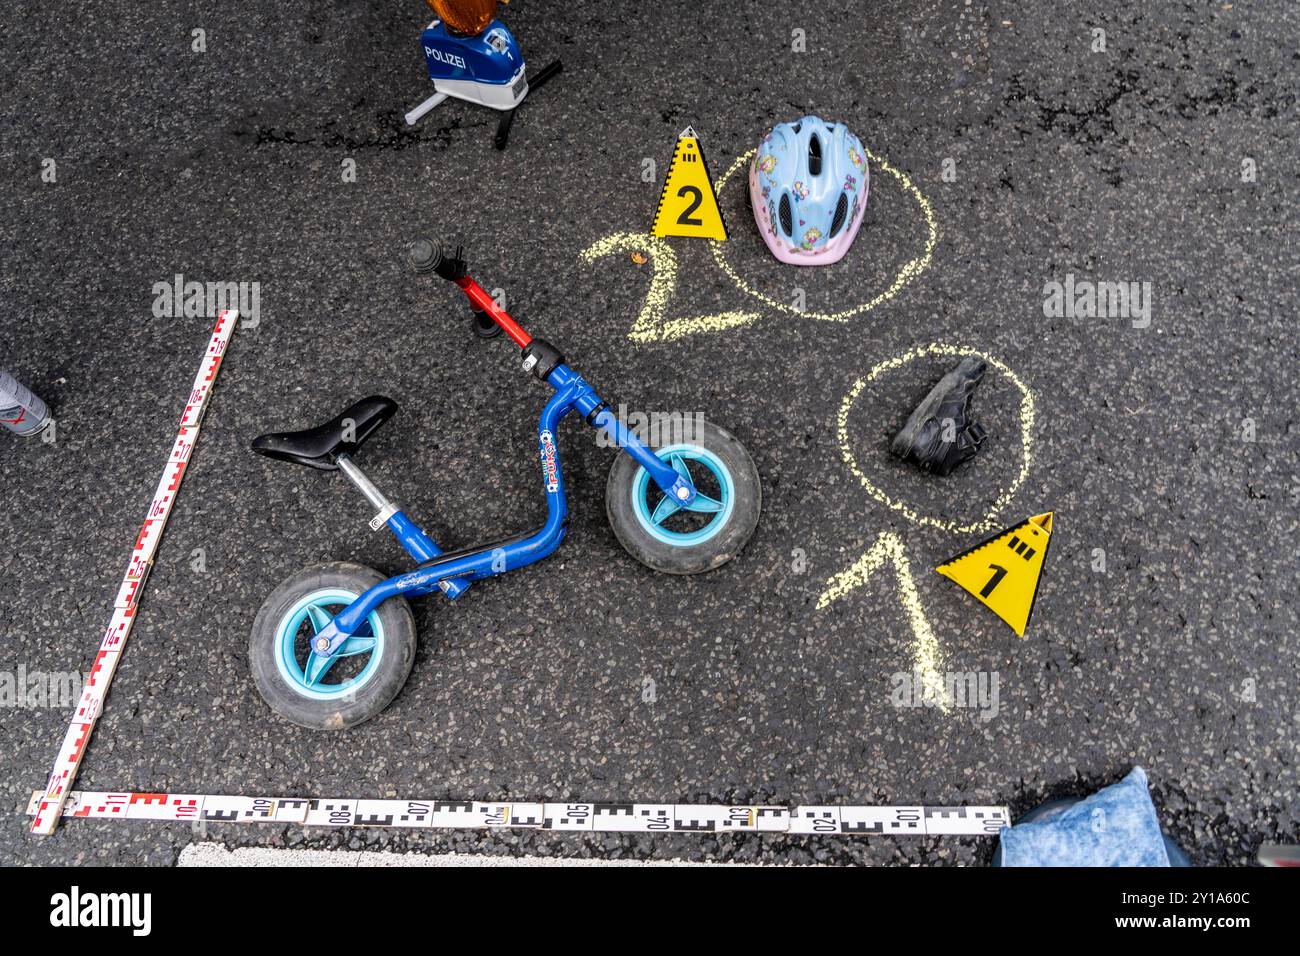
(572, 817)
(550, 461)
(54, 801)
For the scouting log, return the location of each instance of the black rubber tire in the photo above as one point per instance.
(378, 692)
(719, 549)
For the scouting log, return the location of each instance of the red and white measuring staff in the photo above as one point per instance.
(50, 805)
(582, 817)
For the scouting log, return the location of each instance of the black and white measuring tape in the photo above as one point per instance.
(580, 817)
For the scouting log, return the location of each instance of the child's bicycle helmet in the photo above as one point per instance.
(808, 186)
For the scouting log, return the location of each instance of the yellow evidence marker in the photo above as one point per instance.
(1003, 572)
(688, 205)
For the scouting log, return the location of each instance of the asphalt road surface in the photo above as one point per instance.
(1165, 630)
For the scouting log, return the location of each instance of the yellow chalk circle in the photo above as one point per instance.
(989, 521)
(909, 271)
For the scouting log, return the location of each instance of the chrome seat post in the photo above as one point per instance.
(385, 508)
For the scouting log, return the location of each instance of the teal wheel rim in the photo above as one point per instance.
(695, 463)
(317, 610)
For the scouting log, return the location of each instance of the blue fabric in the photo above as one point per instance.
(1116, 826)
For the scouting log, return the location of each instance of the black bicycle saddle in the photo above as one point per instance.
(321, 446)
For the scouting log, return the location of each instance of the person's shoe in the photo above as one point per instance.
(941, 433)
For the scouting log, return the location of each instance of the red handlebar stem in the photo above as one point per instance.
(479, 298)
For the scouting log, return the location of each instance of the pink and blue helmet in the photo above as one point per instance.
(808, 186)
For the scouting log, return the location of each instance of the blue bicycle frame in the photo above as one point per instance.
(454, 572)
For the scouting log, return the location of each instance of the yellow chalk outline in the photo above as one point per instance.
(990, 521)
(650, 325)
(889, 547)
(909, 272)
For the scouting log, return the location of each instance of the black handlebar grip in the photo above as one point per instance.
(424, 255)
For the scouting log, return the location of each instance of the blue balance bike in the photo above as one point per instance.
(333, 644)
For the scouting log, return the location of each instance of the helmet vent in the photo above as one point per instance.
(814, 155)
(787, 218)
(841, 214)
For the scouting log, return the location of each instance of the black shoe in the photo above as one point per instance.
(944, 414)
